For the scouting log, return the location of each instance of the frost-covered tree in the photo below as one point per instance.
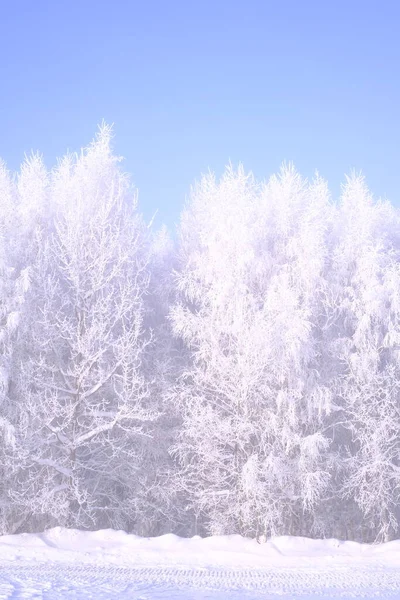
(297, 383)
(251, 447)
(164, 360)
(84, 404)
(7, 302)
(367, 268)
(23, 206)
(213, 260)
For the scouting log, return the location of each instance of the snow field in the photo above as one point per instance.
(62, 563)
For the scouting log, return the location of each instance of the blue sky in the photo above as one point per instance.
(190, 85)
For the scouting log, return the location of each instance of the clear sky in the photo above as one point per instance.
(190, 85)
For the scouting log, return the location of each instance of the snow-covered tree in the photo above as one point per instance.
(163, 363)
(7, 322)
(23, 206)
(367, 267)
(251, 447)
(297, 383)
(84, 404)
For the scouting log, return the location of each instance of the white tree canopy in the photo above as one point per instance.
(241, 376)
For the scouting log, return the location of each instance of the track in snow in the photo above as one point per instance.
(53, 581)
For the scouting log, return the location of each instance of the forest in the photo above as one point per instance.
(238, 375)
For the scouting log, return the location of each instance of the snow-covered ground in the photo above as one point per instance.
(63, 563)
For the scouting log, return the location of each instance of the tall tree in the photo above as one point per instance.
(251, 446)
(367, 260)
(84, 402)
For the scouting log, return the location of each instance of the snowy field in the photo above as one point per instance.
(64, 563)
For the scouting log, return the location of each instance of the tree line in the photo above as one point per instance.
(240, 376)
